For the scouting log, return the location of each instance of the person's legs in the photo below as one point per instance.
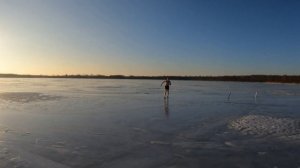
(166, 91)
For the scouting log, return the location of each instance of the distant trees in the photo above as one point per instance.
(245, 78)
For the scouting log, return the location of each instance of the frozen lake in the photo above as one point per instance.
(92, 123)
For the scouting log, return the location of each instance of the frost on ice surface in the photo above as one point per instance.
(265, 125)
(26, 97)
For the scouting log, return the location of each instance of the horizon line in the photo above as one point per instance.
(113, 75)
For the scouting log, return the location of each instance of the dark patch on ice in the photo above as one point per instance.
(26, 97)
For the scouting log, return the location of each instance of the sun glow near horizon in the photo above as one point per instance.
(54, 37)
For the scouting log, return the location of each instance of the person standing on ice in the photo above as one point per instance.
(167, 87)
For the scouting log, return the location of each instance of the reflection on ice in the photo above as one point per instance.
(166, 107)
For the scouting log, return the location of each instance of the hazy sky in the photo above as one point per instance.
(150, 37)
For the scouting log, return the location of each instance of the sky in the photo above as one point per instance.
(150, 37)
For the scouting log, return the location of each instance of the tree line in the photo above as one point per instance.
(237, 78)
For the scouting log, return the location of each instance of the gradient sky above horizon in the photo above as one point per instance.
(150, 37)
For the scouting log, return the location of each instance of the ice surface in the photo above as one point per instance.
(91, 123)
